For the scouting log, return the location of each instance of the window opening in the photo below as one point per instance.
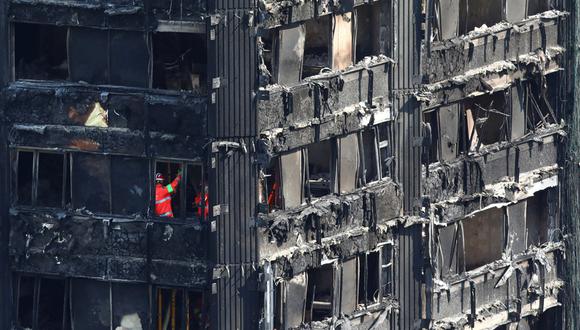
(537, 218)
(348, 169)
(129, 185)
(320, 293)
(40, 52)
(369, 278)
(540, 105)
(387, 269)
(51, 173)
(271, 190)
(537, 6)
(368, 30)
(91, 170)
(370, 159)
(476, 13)
(487, 119)
(321, 157)
(180, 61)
(25, 302)
(51, 304)
(178, 309)
(196, 192)
(168, 189)
(317, 45)
(130, 306)
(288, 54)
(385, 149)
(431, 150)
(23, 187)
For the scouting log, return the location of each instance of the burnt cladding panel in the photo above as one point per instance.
(236, 188)
(408, 277)
(235, 65)
(237, 300)
(231, 4)
(404, 79)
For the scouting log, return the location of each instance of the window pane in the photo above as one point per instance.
(195, 192)
(25, 301)
(40, 52)
(51, 304)
(88, 51)
(25, 162)
(129, 185)
(130, 306)
(129, 59)
(50, 179)
(90, 179)
(90, 305)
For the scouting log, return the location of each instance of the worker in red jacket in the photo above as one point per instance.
(163, 195)
(198, 203)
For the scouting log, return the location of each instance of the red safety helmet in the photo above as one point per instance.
(159, 177)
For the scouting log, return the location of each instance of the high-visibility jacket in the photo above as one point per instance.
(163, 198)
(273, 195)
(197, 201)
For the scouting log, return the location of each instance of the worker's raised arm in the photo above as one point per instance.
(173, 185)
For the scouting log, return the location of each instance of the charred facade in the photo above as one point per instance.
(344, 164)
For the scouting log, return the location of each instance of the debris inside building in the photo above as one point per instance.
(272, 164)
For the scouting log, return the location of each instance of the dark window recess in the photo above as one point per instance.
(475, 13)
(431, 138)
(169, 170)
(130, 306)
(88, 53)
(369, 25)
(108, 57)
(279, 304)
(270, 189)
(52, 311)
(537, 218)
(40, 52)
(180, 62)
(51, 172)
(93, 171)
(370, 158)
(541, 103)
(386, 149)
(321, 165)
(90, 304)
(387, 270)
(483, 238)
(369, 277)
(268, 39)
(317, 45)
(129, 185)
(195, 191)
(25, 301)
(320, 293)
(25, 174)
(487, 119)
(537, 6)
(179, 309)
(195, 311)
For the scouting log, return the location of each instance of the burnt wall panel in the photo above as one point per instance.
(408, 278)
(233, 70)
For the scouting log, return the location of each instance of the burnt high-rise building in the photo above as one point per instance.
(275, 164)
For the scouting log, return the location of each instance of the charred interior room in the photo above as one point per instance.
(286, 165)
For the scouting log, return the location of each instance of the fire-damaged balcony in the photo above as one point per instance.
(325, 76)
(118, 14)
(450, 55)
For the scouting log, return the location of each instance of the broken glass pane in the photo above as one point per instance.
(92, 171)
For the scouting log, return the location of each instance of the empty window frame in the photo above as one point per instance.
(284, 52)
(386, 149)
(40, 52)
(370, 29)
(41, 178)
(321, 168)
(180, 61)
(370, 155)
(487, 119)
(484, 237)
(90, 303)
(450, 250)
(317, 47)
(112, 57)
(283, 181)
(320, 293)
(387, 270)
(189, 196)
(179, 309)
(476, 13)
(41, 303)
(542, 102)
(130, 305)
(129, 185)
(445, 19)
(349, 286)
(537, 6)
(369, 290)
(538, 218)
(431, 130)
(91, 170)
